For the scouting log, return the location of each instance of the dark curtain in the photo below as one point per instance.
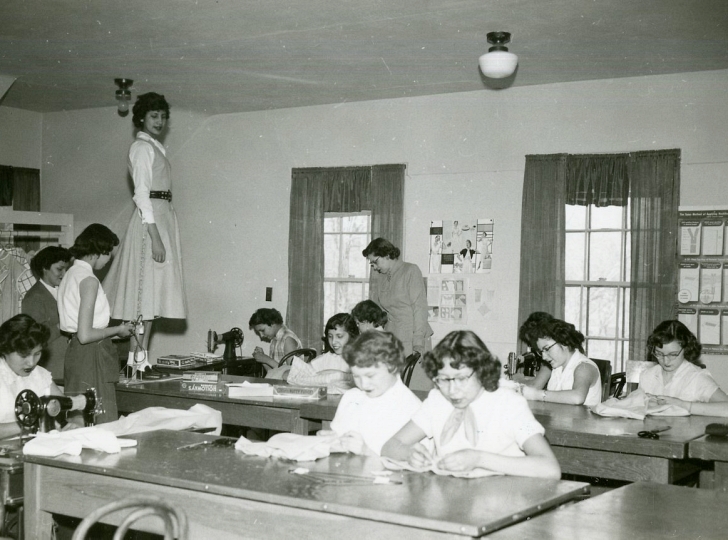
(26, 189)
(600, 180)
(6, 185)
(542, 236)
(378, 189)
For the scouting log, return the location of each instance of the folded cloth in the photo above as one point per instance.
(249, 389)
(303, 374)
(290, 446)
(395, 465)
(637, 405)
(152, 418)
(73, 441)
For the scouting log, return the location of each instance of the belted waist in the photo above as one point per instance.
(166, 195)
(69, 335)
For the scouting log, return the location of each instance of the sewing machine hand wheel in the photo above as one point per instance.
(28, 409)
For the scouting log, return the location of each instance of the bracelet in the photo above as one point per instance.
(543, 395)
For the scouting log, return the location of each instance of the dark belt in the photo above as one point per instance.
(166, 195)
(69, 335)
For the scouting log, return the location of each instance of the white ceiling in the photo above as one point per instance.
(223, 56)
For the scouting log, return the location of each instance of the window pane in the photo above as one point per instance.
(574, 311)
(607, 217)
(355, 224)
(348, 295)
(575, 217)
(574, 264)
(332, 224)
(627, 257)
(597, 348)
(354, 264)
(329, 301)
(602, 311)
(604, 256)
(625, 332)
(331, 255)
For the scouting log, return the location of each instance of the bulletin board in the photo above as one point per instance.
(703, 276)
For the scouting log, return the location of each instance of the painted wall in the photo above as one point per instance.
(20, 138)
(464, 154)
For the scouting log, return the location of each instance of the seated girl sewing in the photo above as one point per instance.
(380, 405)
(679, 378)
(369, 316)
(474, 423)
(21, 344)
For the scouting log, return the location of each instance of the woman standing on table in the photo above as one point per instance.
(145, 280)
(679, 378)
(399, 289)
(83, 310)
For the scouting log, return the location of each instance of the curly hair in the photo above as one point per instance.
(47, 257)
(269, 316)
(464, 348)
(669, 331)
(380, 247)
(528, 330)
(21, 334)
(561, 332)
(374, 347)
(369, 311)
(96, 239)
(340, 320)
(151, 101)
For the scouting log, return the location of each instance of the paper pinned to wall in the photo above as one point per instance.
(461, 247)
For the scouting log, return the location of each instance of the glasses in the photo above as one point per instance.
(547, 349)
(374, 261)
(445, 382)
(663, 357)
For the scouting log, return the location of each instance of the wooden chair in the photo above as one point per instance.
(175, 521)
(605, 373)
(308, 355)
(409, 367)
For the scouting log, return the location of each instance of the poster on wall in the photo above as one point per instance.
(447, 300)
(703, 276)
(461, 247)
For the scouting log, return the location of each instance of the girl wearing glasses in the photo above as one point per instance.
(474, 424)
(676, 381)
(574, 378)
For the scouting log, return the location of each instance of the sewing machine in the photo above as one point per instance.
(528, 361)
(34, 412)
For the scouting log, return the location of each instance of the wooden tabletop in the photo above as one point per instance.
(468, 507)
(641, 511)
(709, 448)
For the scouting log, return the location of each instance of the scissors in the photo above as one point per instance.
(652, 433)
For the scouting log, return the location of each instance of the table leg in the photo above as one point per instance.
(721, 476)
(38, 524)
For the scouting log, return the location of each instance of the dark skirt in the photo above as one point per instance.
(94, 365)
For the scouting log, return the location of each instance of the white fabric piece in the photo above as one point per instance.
(249, 389)
(290, 446)
(395, 465)
(637, 405)
(153, 418)
(335, 381)
(73, 441)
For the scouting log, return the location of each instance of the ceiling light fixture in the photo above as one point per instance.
(498, 63)
(123, 95)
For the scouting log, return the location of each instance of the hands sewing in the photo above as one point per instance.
(667, 400)
(351, 442)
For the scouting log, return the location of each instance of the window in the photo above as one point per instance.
(597, 273)
(346, 271)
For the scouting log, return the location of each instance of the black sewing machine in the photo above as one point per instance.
(530, 362)
(34, 412)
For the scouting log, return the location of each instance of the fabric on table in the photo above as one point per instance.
(153, 418)
(395, 465)
(290, 446)
(637, 405)
(303, 374)
(73, 441)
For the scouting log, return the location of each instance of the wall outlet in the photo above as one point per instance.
(268, 294)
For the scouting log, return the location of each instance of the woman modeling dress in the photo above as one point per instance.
(145, 280)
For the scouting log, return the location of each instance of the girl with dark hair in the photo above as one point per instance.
(679, 378)
(574, 378)
(21, 343)
(369, 316)
(83, 310)
(398, 288)
(474, 424)
(145, 280)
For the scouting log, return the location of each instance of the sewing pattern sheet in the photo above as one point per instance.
(461, 247)
(447, 300)
(703, 277)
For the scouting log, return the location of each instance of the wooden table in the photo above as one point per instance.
(279, 414)
(715, 449)
(590, 445)
(641, 511)
(227, 495)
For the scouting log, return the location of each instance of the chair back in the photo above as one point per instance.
(175, 521)
(409, 367)
(307, 354)
(605, 373)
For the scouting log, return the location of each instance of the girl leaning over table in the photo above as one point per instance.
(91, 358)
(679, 378)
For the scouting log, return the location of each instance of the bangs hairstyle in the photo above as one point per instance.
(151, 101)
(21, 334)
(669, 331)
(47, 257)
(369, 311)
(464, 348)
(340, 320)
(561, 332)
(269, 316)
(381, 247)
(96, 239)
(372, 348)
